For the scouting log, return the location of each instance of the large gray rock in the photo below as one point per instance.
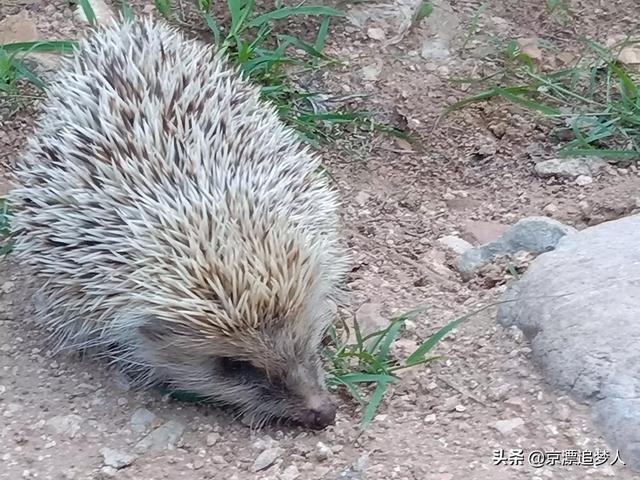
(579, 306)
(532, 234)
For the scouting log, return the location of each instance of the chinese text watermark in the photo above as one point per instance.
(541, 458)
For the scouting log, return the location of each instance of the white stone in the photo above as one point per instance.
(584, 180)
(457, 244)
(505, 426)
(267, 458)
(116, 459)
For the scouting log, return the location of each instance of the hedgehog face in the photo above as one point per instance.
(263, 376)
(297, 394)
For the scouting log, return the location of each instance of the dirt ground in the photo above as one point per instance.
(441, 423)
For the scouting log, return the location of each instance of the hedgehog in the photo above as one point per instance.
(179, 228)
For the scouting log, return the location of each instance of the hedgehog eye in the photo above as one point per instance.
(239, 368)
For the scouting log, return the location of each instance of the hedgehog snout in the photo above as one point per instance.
(320, 413)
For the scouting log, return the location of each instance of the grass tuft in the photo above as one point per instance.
(265, 56)
(593, 103)
(14, 70)
(367, 361)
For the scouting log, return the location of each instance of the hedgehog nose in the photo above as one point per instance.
(320, 417)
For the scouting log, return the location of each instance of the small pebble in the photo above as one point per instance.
(430, 418)
(322, 452)
(376, 33)
(505, 426)
(550, 210)
(116, 459)
(141, 420)
(584, 180)
(212, 439)
(7, 287)
(266, 459)
(290, 473)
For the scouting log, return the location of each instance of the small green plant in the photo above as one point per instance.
(13, 69)
(367, 360)
(594, 102)
(424, 10)
(5, 244)
(252, 43)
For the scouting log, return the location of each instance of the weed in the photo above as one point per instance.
(423, 11)
(13, 68)
(252, 43)
(11, 72)
(368, 360)
(594, 102)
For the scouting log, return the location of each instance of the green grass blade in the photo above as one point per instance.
(374, 403)
(419, 355)
(433, 340)
(302, 45)
(287, 12)
(353, 389)
(29, 75)
(331, 117)
(49, 46)
(369, 362)
(390, 333)
(358, 334)
(371, 343)
(323, 31)
(601, 51)
(368, 378)
(240, 10)
(629, 88)
(88, 12)
(425, 10)
(473, 27)
(263, 33)
(519, 99)
(164, 7)
(514, 94)
(423, 362)
(391, 336)
(203, 5)
(476, 98)
(127, 11)
(213, 26)
(5, 244)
